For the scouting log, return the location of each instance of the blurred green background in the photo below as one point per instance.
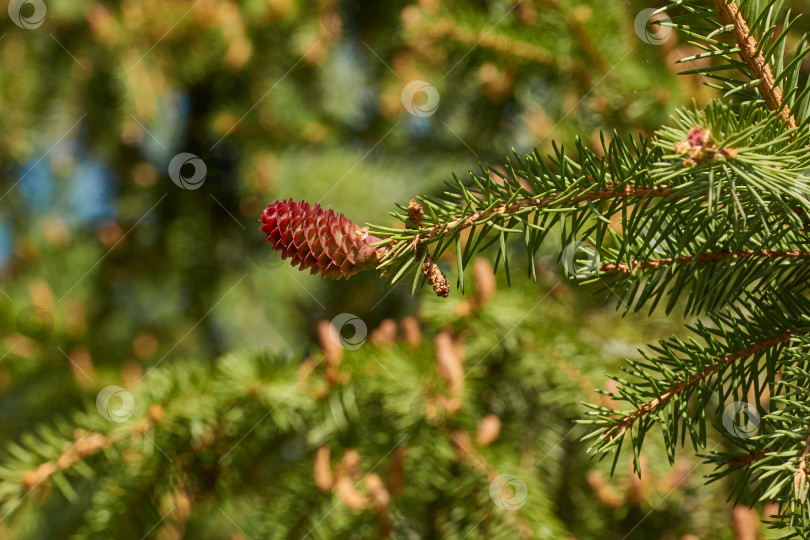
(128, 271)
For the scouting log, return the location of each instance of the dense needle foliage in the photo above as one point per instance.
(165, 375)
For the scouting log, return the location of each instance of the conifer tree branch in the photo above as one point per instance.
(505, 210)
(618, 429)
(85, 446)
(747, 459)
(627, 268)
(755, 61)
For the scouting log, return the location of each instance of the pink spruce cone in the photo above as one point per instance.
(317, 238)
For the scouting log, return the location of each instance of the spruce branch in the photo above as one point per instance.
(627, 421)
(716, 196)
(506, 211)
(773, 464)
(750, 52)
(628, 268)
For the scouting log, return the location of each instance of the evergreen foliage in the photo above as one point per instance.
(709, 215)
(703, 220)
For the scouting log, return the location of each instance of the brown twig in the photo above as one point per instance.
(504, 209)
(627, 268)
(746, 460)
(755, 62)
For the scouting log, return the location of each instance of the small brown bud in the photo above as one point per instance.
(322, 470)
(677, 476)
(155, 413)
(380, 497)
(305, 369)
(448, 364)
(385, 334)
(348, 495)
(435, 277)
(488, 430)
(411, 332)
(350, 465)
(605, 493)
(452, 406)
(331, 350)
(484, 281)
(81, 364)
(415, 213)
(462, 444)
(745, 521)
(464, 309)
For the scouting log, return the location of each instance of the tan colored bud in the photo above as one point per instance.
(745, 522)
(433, 274)
(305, 369)
(41, 294)
(380, 497)
(604, 492)
(465, 450)
(677, 476)
(448, 364)
(322, 470)
(488, 430)
(462, 446)
(385, 334)
(485, 283)
(411, 332)
(155, 413)
(415, 212)
(331, 350)
(452, 406)
(350, 465)
(348, 495)
(81, 364)
(464, 309)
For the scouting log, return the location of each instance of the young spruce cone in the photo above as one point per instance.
(317, 238)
